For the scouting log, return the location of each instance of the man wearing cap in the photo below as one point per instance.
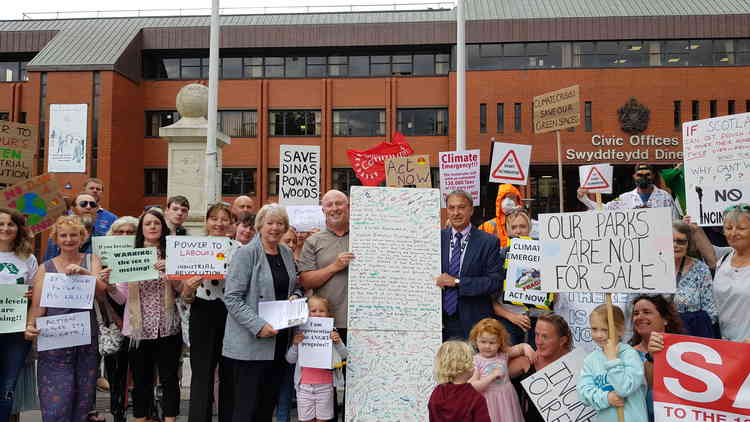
(645, 195)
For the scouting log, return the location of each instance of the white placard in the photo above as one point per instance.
(576, 307)
(61, 331)
(306, 218)
(316, 349)
(394, 234)
(299, 175)
(103, 246)
(596, 178)
(717, 166)
(67, 138)
(553, 390)
(459, 170)
(510, 163)
(188, 256)
(68, 291)
(284, 313)
(627, 251)
(523, 282)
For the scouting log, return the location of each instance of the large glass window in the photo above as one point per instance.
(238, 123)
(295, 67)
(273, 67)
(316, 67)
(402, 65)
(359, 65)
(359, 123)
(337, 65)
(158, 119)
(294, 123)
(380, 65)
(14, 71)
(424, 64)
(742, 55)
(231, 68)
(238, 181)
(423, 121)
(253, 67)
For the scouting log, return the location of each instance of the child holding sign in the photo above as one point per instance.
(314, 386)
(608, 384)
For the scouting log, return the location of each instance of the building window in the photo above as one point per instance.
(238, 181)
(359, 123)
(238, 123)
(678, 115)
(273, 67)
(253, 67)
(14, 71)
(442, 64)
(4, 115)
(696, 110)
(587, 116)
(273, 182)
(155, 182)
(482, 118)
(424, 64)
(500, 118)
(231, 68)
(294, 123)
(344, 179)
(747, 106)
(730, 107)
(742, 52)
(517, 123)
(402, 65)
(712, 106)
(380, 65)
(316, 67)
(423, 121)
(295, 67)
(158, 119)
(337, 65)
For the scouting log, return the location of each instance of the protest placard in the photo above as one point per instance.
(717, 166)
(134, 264)
(698, 380)
(576, 307)
(284, 313)
(557, 110)
(523, 277)
(13, 305)
(68, 291)
(625, 251)
(316, 350)
(510, 163)
(459, 170)
(306, 218)
(299, 173)
(18, 146)
(188, 256)
(596, 178)
(412, 171)
(553, 390)
(66, 152)
(103, 246)
(61, 331)
(38, 199)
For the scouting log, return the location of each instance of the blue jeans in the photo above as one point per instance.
(12, 357)
(286, 391)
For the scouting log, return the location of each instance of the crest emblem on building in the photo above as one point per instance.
(633, 117)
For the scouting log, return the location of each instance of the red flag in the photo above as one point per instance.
(369, 165)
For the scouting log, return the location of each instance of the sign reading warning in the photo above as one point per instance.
(510, 163)
(557, 110)
(596, 178)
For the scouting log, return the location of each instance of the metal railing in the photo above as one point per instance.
(260, 10)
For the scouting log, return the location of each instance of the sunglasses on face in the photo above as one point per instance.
(85, 204)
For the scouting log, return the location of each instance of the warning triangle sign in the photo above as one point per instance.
(509, 168)
(595, 180)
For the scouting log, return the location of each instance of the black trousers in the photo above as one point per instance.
(163, 353)
(116, 368)
(256, 387)
(207, 321)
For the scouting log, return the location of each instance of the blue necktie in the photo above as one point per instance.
(450, 298)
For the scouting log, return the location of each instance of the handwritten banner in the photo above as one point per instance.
(17, 149)
(717, 166)
(459, 170)
(299, 172)
(553, 390)
(67, 138)
(61, 331)
(316, 350)
(39, 199)
(557, 110)
(576, 307)
(627, 251)
(523, 278)
(188, 256)
(411, 171)
(306, 218)
(134, 264)
(13, 305)
(68, 291)
(104, 246)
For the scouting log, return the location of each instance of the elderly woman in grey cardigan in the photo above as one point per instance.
(262, 270)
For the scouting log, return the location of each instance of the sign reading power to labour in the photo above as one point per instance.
(189, 256)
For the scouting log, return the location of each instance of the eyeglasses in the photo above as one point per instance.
(738, 207)
(85, 204)
(681, 242)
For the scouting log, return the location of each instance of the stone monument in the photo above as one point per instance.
(187, 154)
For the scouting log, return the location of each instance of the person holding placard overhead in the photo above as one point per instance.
(262, 270)
(66, 376)
(18, 265)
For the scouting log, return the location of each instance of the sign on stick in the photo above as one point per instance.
(557, 110)
(510, 163)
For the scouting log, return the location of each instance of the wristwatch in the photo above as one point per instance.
(457, 281)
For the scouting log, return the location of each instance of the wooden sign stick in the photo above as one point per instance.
(560, 171)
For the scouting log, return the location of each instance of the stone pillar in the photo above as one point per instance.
(187, 154)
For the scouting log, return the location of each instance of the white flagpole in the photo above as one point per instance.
(213, 98)
(460, 77)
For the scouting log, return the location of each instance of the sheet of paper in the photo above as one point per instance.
(68, 291)
(316, 350)
(103, 246)
(13, 307)
(61, 331)
(306, 218)
(133, 264)
(284, 313)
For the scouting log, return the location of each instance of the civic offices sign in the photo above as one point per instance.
(618, 148)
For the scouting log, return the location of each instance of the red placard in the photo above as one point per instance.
(369, 165)
(701, 380)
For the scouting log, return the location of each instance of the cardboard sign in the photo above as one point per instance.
(553, 390)
(133, 264)
(104, 246)
(523, 277)
(717, 166)
(369, 165)
(411, 172)
(67, 138)
(306, 218)
(284, 313)
(557, 110)
(596, 178)
(316, 350)
(38, 199)
(626, 251)
(510, 163)
(459, 170)
(13, 305)
(188, 256)
(698, 379)
(61, 331)
(68, 291)
(17, 149)
(299, 175)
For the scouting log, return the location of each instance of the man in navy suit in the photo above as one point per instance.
(471, 267)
